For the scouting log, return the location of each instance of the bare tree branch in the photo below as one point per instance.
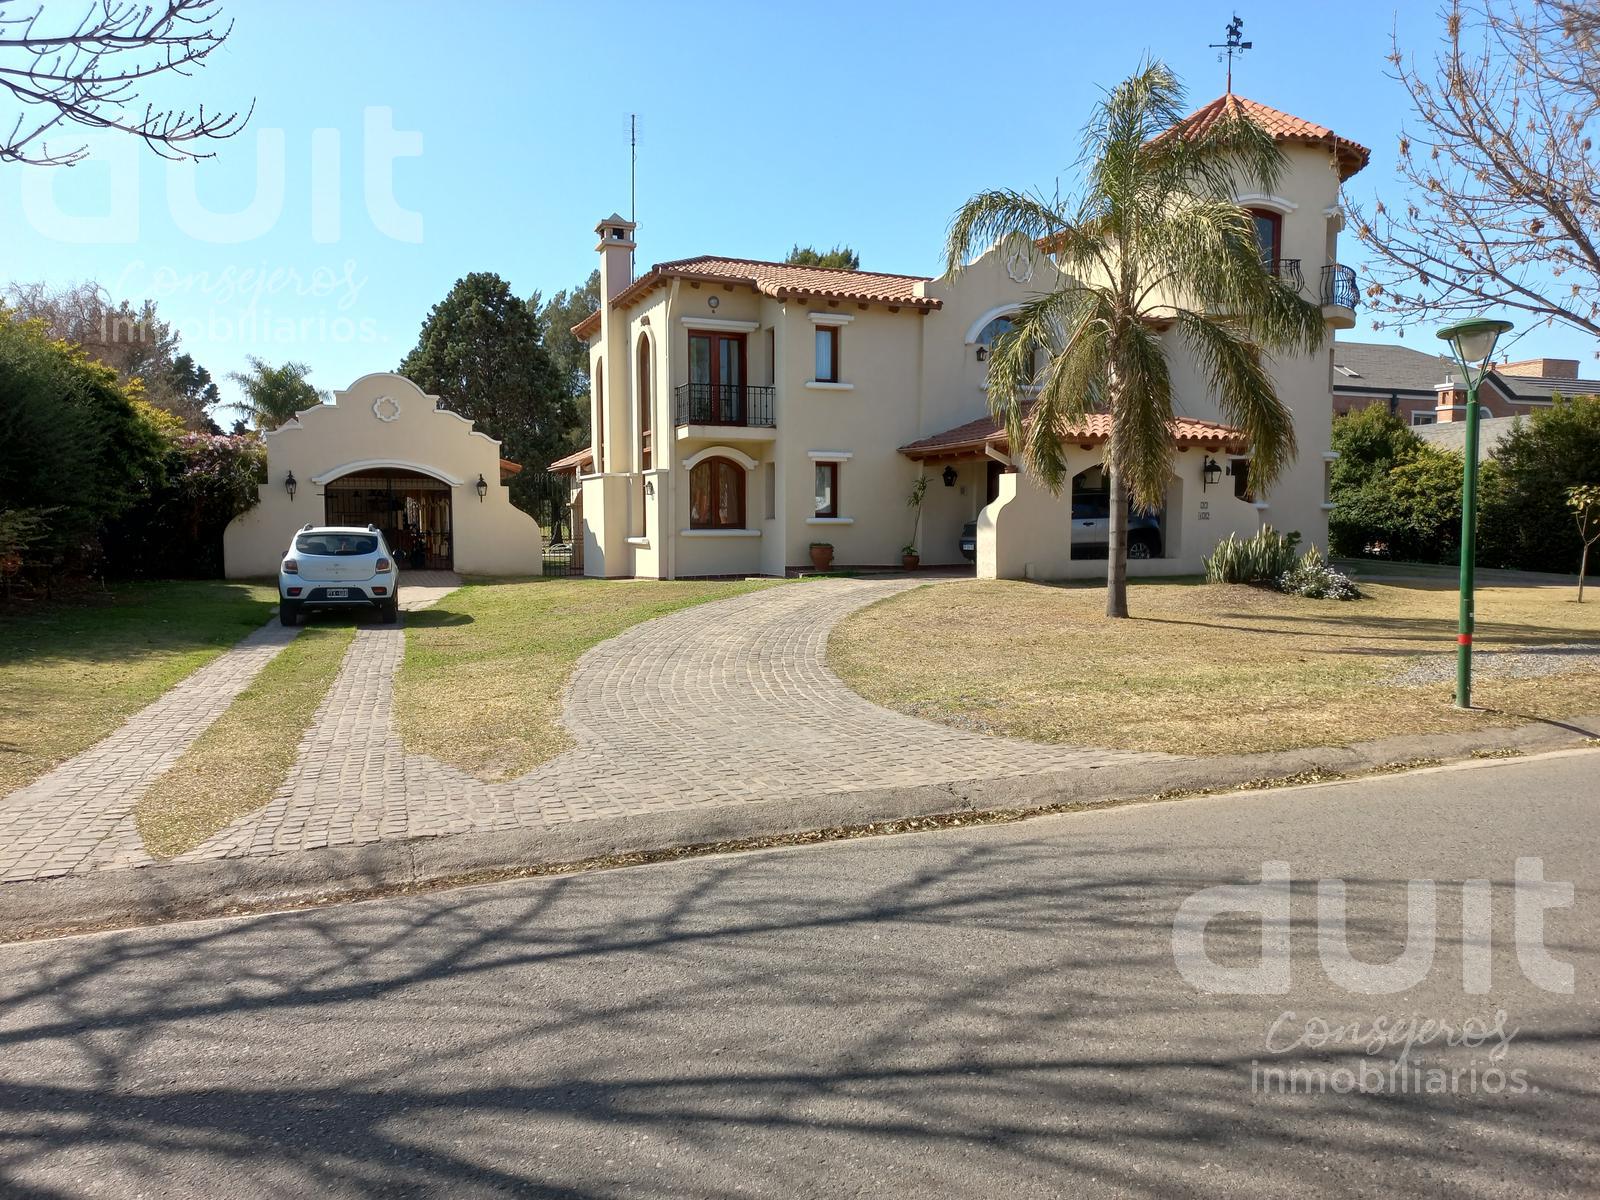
(1502, 172)
(90, 75)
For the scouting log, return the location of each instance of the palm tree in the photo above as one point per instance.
(1155, 241)
(272, 395)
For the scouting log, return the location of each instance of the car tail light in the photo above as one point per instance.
(295, 591)
(383, 566)
(291, 567)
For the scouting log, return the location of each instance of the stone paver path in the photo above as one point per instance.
(79, 816)
(721, 703)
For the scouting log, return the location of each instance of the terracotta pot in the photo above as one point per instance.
(910, 561)
(822, 557)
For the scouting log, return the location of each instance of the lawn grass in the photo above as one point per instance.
(1201, 669)
(236, 765)
(485, 668)
(72, 670)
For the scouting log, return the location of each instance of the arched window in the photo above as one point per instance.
(716, 494)
(993, 330)
(1269, 236)
(599, 415)
(644, 403)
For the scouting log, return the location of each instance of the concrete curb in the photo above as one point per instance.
(189, 890)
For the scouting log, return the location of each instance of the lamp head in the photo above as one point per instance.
(1472, 342)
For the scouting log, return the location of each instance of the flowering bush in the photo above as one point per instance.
(1316, 579)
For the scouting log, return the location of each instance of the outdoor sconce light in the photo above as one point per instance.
(482, 487)
(982, 353)
(1210, 472)
(949, 477)
(712, 302)
(649, 487)
(290, 485)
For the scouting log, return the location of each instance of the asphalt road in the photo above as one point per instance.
(986, 1012)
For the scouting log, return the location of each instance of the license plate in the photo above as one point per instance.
(338, 593)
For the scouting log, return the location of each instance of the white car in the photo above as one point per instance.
(338, 566)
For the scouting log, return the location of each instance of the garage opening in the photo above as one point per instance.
(1091, 520)
(412, 509)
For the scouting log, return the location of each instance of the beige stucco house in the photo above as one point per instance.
(384, 453)
(743, 410)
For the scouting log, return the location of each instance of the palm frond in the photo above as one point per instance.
(1141, 413)
(1232, 363)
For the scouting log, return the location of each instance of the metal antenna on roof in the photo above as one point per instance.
(1234, 44)
(633, 179)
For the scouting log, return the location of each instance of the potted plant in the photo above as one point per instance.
(822, 555)
(909, 557)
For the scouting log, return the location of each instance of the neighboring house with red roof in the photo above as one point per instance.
(744, 409)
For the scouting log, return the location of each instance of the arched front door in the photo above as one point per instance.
(412, 509)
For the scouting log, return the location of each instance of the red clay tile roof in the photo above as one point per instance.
(1283, 128)
(507, 467)
(1094, 429)
(779, 280)
(573, 461)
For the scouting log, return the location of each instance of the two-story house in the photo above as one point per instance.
(743, 410)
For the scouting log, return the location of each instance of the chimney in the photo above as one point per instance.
(616, 256)
(1542, 368)
(1449, 401)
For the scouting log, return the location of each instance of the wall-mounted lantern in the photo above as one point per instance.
(1210, 473)
(290, 485)
(981, 353)
(949, 477)
(649, 487)
(712, 302)
(482, 487)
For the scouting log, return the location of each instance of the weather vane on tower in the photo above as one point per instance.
(1235, 44)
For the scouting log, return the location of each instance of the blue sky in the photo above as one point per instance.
(760, 125)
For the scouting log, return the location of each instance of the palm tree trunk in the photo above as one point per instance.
(1117, 546)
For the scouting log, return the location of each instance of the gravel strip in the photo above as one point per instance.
(1532, 663)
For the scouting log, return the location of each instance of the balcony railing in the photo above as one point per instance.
(1339, 286)
(1287, 272)
(723, 404)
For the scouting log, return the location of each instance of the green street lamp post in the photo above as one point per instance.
(1472, 342)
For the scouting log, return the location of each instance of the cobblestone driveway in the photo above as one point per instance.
(721, 703)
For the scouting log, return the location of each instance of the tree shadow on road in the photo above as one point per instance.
(1000, 1016)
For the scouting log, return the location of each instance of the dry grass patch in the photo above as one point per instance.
(71, 671)
(485, 668)
(1201, 669)
(236, 765)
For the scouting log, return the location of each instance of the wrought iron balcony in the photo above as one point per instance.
(1339, 286)
(1287, 272)
(723, 404)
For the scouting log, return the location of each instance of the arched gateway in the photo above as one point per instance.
(384, 454)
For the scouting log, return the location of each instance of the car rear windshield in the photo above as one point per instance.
(336, 545)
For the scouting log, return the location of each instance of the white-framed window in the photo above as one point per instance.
(827, 364)
(827, 488)
(1424, 418)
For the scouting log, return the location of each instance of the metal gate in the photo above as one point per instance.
(412, 509)
(558, 509)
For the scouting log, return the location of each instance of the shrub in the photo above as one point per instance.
(177, 531)
(1316, 579)
(1409, 508)
(1262, 558)
(80, 447)
(1523, 517)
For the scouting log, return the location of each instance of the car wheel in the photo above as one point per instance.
(390, 612)
(1141, 548)
(288, 612)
